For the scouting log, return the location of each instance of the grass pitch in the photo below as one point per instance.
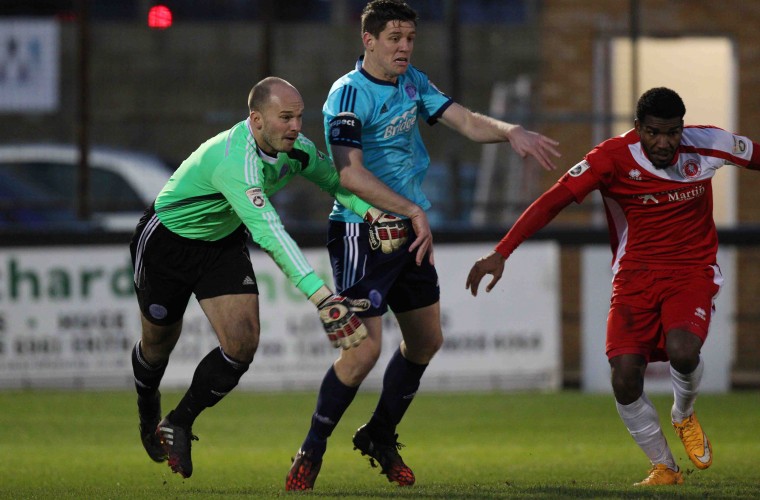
(66, 444)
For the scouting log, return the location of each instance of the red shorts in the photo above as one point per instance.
(647, 304)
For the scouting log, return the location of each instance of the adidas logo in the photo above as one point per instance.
(248, 281)
(409, 396)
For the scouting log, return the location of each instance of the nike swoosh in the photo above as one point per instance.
(705, 458)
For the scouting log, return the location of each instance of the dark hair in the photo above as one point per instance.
(660, 102)
(260, 93)
(377, 13)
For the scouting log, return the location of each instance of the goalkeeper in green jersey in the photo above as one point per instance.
(193, 240)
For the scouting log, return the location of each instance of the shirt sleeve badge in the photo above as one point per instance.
(256, 195)
(579, 168)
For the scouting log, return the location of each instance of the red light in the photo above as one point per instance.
(159, 17)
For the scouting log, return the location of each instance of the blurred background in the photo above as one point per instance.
(101, 99)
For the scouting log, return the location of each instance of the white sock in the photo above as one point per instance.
(643, 423)
(685, 390)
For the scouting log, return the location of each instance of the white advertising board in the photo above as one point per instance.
(68, 318)
(29, 65)
(596, 286)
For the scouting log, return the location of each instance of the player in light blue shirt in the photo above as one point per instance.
(371, 127)
(388, 114)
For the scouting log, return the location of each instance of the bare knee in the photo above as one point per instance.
(422, 351)
(627, 390)
(627, 378)
(353, 365)
(422, 333)
(158, 341)
(683, 350)
(242, 344)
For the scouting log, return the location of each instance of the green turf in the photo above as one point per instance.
(525, 445)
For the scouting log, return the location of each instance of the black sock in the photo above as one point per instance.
(147, 377)
(216, 375)
(333, 400)
(400, 384)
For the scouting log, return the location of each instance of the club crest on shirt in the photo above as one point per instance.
(690, 169)
(634, 174)
(579, 168)
(256, 195)
(411, 90)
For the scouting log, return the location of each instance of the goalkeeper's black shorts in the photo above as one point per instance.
(387, 280)
(170, 268)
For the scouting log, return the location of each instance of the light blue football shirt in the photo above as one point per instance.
(390, 138)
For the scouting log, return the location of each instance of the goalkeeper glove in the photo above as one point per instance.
(386, 232)
(343, 327)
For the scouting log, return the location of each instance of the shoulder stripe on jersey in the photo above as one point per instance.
(251, 172)
(347, 99)
(286, 242)
(229, 141)
(715, 153)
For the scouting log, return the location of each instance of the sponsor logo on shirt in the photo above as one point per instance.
(686, 194)
(739, 146)
(676, 195)
(579, 168)
(344, 121)
(401, 124)
(256, 196)
(344, 118)
(690, 169)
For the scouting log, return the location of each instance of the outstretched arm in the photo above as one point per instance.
(535, 217)
(484, 129)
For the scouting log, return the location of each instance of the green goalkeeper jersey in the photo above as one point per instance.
(226, 182)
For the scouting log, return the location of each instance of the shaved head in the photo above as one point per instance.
(261, 93)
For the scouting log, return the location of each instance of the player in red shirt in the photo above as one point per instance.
(656, 183)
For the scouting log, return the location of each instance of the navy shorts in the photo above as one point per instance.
(387, 280)
(169, 268)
